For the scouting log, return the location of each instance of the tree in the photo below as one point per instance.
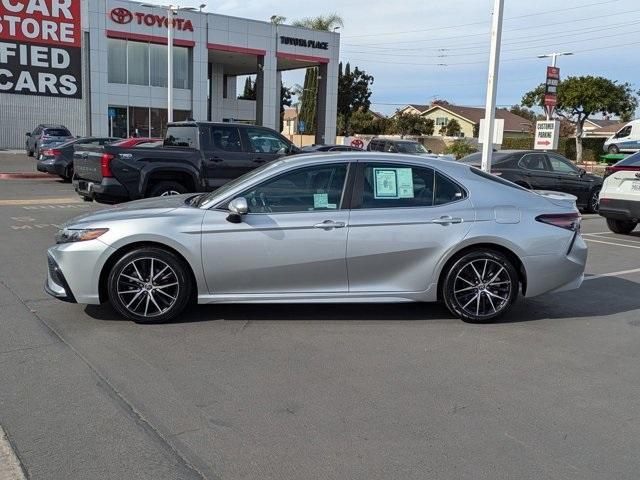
(353, 93)
(285, 100)
(460, 148)
(525, 113)
(277, 19)
(310, 88)
(581, 97)
(451, 129)
(412, 124)
(249, 92)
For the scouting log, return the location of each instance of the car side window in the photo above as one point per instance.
(625, 132)
(224, 138)
(560, 165)
(263, 141)
(534, 161)
(308, 189)
(446, 190)
(389, 185)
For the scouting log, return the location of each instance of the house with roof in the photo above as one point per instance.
(601, 127)
(290, 121)
(469, 117)
(413, 108)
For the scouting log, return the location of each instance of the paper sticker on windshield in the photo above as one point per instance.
(405, 182)
(321, 200)
(385, 183)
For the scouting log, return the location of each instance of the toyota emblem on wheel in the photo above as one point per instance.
(121, 15)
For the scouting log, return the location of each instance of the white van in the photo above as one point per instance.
(627, 139)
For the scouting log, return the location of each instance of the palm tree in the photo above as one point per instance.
(277, 19)
(309, 93)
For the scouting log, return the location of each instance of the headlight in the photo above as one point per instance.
(67, 235)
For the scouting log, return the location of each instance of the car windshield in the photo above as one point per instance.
(57, 132)
(410, 147)
(630, 161)
(227, 187)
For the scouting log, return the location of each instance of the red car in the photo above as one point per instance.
(136, 141)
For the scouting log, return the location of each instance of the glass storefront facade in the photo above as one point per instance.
(142, 63)
(143, 121)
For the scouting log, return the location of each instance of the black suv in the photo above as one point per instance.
(539, 170)
(397, 146)
(195, 157)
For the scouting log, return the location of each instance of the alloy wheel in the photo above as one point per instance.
(148, 287)
(169, 192)
(482, 288)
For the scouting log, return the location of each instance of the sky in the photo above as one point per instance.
(421, 50)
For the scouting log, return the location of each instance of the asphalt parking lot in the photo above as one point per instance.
(314, 391)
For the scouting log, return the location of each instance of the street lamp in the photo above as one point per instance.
(554, 56)
(172, 10)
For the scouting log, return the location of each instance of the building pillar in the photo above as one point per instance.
(266, 98)
(216, 93)
(327, 103)
(278, 100)
(200, 67)
(232, 87)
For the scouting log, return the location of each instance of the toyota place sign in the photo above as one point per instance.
(40, 47)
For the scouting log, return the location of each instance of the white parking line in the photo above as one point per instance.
(612, 236)
(612, 243)
(612, 274)
(10, 468)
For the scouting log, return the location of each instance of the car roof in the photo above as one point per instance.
(52, 125)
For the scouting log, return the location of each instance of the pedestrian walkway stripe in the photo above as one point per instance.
(10, 468)
(40, 201)
(612, 243)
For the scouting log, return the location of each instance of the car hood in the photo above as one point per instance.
(133, 210)
(593, 178)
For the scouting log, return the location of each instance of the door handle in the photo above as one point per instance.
(446, 220)
(329, 224)
(215, 159)
(259, 160)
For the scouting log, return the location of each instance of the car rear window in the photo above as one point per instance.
(57, 132)
(496, 179)
(630, 161)
(182, 136)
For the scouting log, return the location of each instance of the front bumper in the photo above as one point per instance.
(109, 190)
(620, 209)
(74, 271)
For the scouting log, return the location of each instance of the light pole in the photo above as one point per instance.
(554, 58)
(492, 84)
(172, 10)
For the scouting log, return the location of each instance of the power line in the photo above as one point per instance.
(483, 22)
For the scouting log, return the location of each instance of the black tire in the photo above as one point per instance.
(29, 153)
(623, 227)
(166, 188)
(155, 296)
(592, 206)
(492, 295)
(613, 149)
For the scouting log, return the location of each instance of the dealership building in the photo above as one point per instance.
(99, 67)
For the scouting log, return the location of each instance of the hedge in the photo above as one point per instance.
(591, 147)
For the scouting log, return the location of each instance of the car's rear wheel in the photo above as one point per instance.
(480, 286)
(594, 201)
(149, 285)
(613, 149)
(29, 153)
(621, 226)
(163, 189)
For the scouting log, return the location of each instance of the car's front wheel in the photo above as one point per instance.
(149, 285)
(613, 149)
(621, 226)
(594, 201)
(480, 286)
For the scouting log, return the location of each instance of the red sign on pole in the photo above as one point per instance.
(553, 72)
(550, 100)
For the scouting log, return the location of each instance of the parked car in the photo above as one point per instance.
(135, 141)
(620, 195)
(46, 136)
(195, 157)
(59, 160)
(397, 146)
(538, 170)
(339, 227)
(627, 139)
(329, 148)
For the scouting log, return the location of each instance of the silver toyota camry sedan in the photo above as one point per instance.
(335, 227)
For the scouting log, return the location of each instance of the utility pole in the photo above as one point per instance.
(492, 84)
(554, 59)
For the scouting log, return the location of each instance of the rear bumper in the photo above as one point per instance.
(46, 166)
(620, 209)
(109, 190)
(556, 273)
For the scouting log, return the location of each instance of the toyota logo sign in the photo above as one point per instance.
(121, 15)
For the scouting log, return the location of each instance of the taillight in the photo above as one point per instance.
(52, 152)
(105, 160)
(569, 221)
(620, 168)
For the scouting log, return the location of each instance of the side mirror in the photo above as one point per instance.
(581, 172)
(237, 208)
